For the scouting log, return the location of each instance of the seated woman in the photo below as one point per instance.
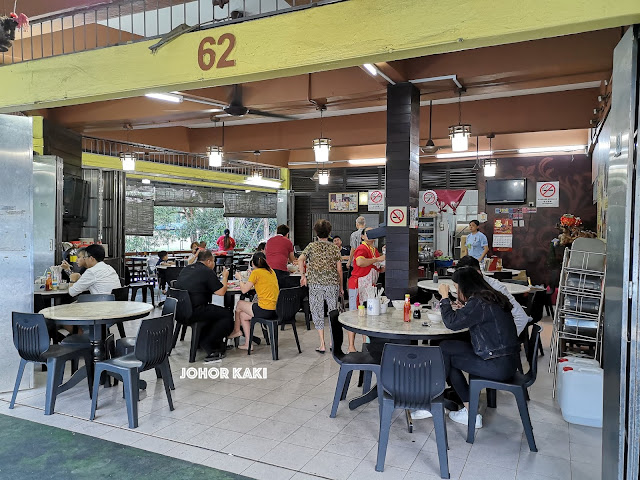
(261, 246)
(263, 279)
(494, 348)
(195, 248)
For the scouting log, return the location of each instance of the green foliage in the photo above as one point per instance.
(176, 227)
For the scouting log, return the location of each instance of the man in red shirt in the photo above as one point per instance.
(363, 277)
(279, 252)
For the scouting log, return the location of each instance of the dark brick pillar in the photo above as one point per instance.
(402, 185)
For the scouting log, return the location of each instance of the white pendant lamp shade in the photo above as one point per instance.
(490, 168)
(128, 161)
(459, 135)
(215, 156)
(323, 177)
(321, 147)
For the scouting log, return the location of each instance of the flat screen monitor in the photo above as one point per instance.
(75, 198)
(512, 191)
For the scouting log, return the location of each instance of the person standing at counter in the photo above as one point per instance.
(98, 278)
(225, 242)
(364, 277)
(477, 243)
(355, 238)
(494, 348)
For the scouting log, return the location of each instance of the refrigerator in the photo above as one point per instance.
(47, 212)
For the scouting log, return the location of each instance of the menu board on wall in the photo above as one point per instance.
(343, 202)
(503, 235)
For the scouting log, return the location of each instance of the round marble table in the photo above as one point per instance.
(391, 325)
(512, 288)
(95, 316)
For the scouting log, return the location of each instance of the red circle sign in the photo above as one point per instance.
(430, 197)
(376, 196)
(547, 190)
(396, 216)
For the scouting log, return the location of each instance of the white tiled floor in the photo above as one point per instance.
(279, 428)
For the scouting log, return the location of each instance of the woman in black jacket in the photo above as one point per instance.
(494, 348)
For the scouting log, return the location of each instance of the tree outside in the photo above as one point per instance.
(176, 227)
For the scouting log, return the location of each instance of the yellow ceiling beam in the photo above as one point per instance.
(323, 38)
(173, 173)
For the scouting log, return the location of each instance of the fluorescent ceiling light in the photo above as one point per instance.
(167, 97)
(262, 182)
(146, 181)
(368, 161)
(371, 69)
(565, 148)
(481, 153)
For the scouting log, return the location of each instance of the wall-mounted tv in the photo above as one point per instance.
(513, 191)
(75, 198)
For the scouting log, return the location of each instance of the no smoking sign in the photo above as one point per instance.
(548, 194)
(397, 216)
(376, 201)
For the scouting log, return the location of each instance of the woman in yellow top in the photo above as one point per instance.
(263, 279)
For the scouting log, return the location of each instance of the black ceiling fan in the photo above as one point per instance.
(237, 109)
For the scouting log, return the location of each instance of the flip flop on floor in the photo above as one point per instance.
(319, 351)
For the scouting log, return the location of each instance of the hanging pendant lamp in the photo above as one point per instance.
(491, 164)
(460, 133)
(216, 153)
(321, 145)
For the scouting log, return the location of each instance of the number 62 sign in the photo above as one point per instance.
(207, 54)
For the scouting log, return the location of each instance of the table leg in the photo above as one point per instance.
(409, 420)
(370, 396)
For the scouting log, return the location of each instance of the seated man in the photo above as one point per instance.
(345, 250)
(201, 282)
(98, 278)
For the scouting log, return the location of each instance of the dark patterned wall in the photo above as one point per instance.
(531, 243)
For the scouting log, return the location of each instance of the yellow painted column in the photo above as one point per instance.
(38, 135)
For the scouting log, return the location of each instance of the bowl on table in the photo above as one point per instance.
(434, 317)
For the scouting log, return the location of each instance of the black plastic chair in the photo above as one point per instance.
(183, 315)
(31, 339)
(348, 363)
(286, 308)
(144, 286)
(412, 376)
(121, 295)
(126, 345)
(152, 350)
(518, 386)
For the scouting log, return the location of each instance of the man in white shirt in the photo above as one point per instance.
(99, 277)
(356, 238)
(520, 318)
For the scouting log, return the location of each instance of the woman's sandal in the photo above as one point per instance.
(319, 351)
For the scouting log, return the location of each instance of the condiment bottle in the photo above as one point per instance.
(49, 282)
(435, 276)
(361, 311)
(407, 308)
(416, 311)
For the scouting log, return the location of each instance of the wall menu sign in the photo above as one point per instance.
(343, 202)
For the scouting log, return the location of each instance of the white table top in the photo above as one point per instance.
(41, 291)
(514, 273)
(96, 310)
(164, 267)
(392, 324)
(512, 288)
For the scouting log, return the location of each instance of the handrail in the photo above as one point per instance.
(114, 23)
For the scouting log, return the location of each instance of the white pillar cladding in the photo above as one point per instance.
(16, 239)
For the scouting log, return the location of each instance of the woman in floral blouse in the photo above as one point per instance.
(322, 274)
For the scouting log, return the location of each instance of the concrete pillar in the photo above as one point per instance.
(402, 185)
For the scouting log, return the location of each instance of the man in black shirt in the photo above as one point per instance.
(201, 282)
